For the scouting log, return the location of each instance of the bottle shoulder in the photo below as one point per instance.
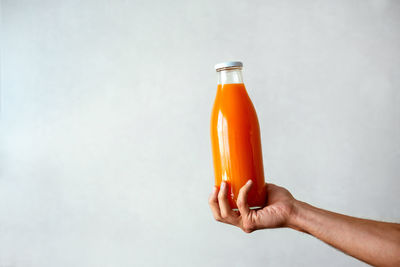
(232, 97)
(234, 108)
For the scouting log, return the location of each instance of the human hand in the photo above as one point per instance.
(279, 209)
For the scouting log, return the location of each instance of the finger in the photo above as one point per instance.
(226, 211)
(242, 199)
(213, 202)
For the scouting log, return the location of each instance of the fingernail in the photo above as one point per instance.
(223, 185)
(214, 189)
(249, 182)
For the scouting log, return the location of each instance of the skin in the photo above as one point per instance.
(376, 243)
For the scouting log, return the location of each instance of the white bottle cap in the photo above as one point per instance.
(228, 64)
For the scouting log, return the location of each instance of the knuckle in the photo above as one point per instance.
(224, 216)
(248, 226)
(247, 231)
(218, 219)
(211, 201)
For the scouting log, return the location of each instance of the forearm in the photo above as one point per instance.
(377, 243)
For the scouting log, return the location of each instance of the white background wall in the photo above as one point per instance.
(105, 150)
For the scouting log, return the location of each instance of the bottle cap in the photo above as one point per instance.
(228, 65)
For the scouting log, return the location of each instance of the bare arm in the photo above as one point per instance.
(377, 243)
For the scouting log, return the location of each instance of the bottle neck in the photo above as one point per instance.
(230, 76)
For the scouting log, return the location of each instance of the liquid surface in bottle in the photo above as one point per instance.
(236, 144)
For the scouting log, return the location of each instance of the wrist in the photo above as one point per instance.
(294, 220)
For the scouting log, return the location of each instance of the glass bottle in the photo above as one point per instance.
(235, 137)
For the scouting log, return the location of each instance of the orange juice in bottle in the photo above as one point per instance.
(235, 137)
